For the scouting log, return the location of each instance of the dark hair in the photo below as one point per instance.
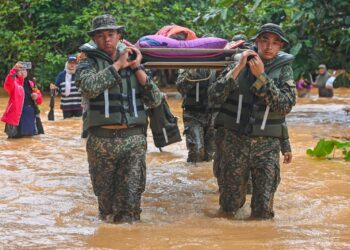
(121, 31)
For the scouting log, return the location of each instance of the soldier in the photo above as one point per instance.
(197, 113)
(117, 88)
(256, 93)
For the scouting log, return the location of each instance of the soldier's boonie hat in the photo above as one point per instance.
(272, 28)
(104, 22)
(322, 66)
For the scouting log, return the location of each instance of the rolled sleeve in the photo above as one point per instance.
(261, 81)
(152, 96)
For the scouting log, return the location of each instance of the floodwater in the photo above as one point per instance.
(46, 198)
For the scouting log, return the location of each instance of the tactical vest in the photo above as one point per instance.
(247, 113)
(120, 104)
(196, 99)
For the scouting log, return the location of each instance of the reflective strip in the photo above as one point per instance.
(134, 102)
(106, 103)
(197, 92)
(267, 110)
(89, 46)
(165, 135)
(240, 101)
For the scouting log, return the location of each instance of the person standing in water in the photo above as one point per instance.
(24, 100)
(321, 80)
(256, 94)
(117, 89)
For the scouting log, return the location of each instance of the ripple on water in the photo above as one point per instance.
(318, 113)
(46, 198)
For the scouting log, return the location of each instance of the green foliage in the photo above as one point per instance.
(342, 80)
(346, 155)
(325, 147)
(46, 31)
(41, 31)
(319, 31)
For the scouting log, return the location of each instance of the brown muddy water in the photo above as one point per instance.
(46, 198)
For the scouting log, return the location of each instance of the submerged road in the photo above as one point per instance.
(46, 198)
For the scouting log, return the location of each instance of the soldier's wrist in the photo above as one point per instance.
(261, 81)
(137, 68)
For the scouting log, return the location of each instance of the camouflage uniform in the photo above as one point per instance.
(242, 153)
(116, 156)
(118, 174)
(197, 114)
(219, 143)
(117, 165)
(285, 147)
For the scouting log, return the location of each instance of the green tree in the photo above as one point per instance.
(319, 31)
(46, 31)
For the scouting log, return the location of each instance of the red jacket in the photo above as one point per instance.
(14, 87)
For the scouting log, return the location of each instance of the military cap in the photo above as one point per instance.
(104, 22)
(322, 66)
(72, 58)
(272, 28)
(239, 37)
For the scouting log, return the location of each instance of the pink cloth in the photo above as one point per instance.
(158, 41)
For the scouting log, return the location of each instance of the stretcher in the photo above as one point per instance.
(200, 58)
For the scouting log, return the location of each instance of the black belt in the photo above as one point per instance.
(112, 133)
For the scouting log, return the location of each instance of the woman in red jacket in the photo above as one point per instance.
(19, 115)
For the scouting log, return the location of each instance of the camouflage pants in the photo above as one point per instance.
(240, 156)
(199, 138)
(118, 174)
(219, 143)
